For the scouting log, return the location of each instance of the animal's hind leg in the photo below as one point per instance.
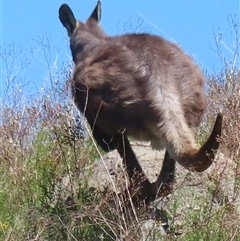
(164, 183)
(173, 130)
(140, 187)
(103, 140)
(135, 173)
(126, 152)
(144, 189)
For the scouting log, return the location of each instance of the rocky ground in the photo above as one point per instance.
(218, 182)
(217, 185)
(222, 172)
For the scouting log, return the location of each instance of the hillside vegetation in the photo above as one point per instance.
(47, 157)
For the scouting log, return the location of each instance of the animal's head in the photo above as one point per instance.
(82, 34)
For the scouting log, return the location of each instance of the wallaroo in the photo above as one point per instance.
(143, 86)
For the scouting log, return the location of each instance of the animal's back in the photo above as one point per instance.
(126, 72)
(172, 70)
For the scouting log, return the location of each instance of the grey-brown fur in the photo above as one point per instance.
(139, 85)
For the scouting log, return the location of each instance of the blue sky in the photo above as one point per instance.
(190, 23)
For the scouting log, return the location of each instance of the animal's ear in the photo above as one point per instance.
(67, 18)
(96, 14)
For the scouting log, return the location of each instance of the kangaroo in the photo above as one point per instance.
(140, 86)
